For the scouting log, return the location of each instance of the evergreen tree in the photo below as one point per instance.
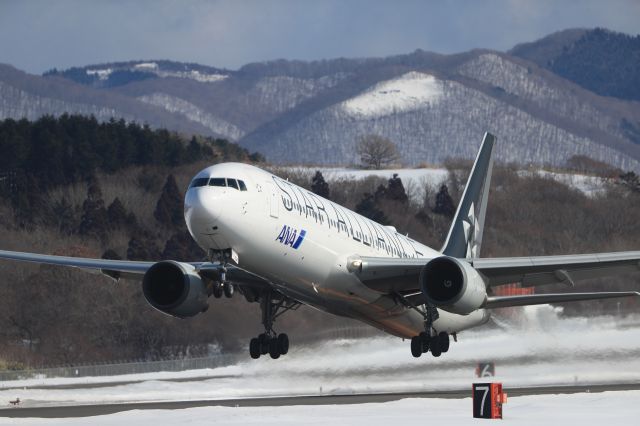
(319, 185)
(27, 199)
(367, 207)
(63, 215)
(444, 203)
(111, 254)
(194, 151)
(169, 209)
(424, 217)
(380, 194)
(142, 246)
(182, 247)
(94, 221)
(395, 190)
(118, 215)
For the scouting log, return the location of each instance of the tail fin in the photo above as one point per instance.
(465, 235)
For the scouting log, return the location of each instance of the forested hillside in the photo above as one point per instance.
(133, 209)
(74, 186)
(605, 62)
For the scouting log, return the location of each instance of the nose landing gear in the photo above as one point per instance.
(222, 286)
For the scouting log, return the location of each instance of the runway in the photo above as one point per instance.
(549, 368)
(74, 411)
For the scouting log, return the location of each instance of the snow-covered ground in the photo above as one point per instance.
(408, 92)
(543, 350)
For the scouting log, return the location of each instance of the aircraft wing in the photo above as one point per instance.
(131, 268)
(542, 299)
(393, 275)
(541, 270)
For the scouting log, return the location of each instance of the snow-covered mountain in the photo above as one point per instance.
(432, 106)
(435, 113)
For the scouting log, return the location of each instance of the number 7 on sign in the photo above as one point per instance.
(485, 389)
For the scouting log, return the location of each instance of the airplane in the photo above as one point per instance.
(282, 246)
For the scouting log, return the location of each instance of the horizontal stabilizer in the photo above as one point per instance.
(542, 299)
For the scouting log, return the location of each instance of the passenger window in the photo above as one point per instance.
(231, 183)
(243, 187)
(199, 182)
(217, 182)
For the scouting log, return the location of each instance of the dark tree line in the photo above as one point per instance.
(50, 152)
(59, 151)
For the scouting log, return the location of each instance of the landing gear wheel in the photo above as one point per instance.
(263, 341)
(217, 290)
(274, 349)
(434, 347)
(228, 290)
(283, 343)
(254, 348)
(443, 339)
(416, 346)
(425, 338)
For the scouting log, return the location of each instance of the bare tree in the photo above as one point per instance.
(376, 151)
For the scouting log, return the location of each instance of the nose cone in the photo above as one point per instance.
(202, 207)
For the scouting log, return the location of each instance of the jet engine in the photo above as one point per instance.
(453, 285)
(175, 288)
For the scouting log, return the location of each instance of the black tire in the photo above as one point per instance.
(425, 338)
(254, 348)
(217, 290)
(416, 346)
(264, 343)
(434, 347)
(228, 290)
(283, 343)
(444, 341)
(274, 349)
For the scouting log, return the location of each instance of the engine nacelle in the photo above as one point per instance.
(453, 285)
(175, 288)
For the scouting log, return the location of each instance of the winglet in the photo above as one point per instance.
(465, 235)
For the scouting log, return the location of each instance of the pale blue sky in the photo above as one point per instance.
(36, 35)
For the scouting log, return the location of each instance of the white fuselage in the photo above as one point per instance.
(301, 242)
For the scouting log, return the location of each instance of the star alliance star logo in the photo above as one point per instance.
(471, 232)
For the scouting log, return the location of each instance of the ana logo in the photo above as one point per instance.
(290, 237)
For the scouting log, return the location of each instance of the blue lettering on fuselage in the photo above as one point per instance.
(290, 236)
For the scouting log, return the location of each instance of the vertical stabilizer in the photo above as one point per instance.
(465, 235)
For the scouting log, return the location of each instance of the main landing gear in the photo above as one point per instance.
(430, 339)
(272, 305)
(424, 342)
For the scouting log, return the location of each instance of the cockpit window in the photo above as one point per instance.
(231, 183)
(199, 182)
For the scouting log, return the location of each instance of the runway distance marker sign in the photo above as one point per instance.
(488, 399)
